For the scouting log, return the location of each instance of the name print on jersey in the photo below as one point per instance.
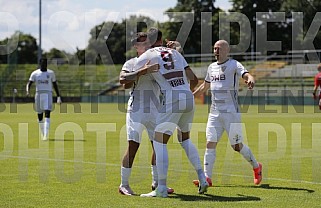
(176, 82)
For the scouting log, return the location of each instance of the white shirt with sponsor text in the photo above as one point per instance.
(43, 80)
(224, 80)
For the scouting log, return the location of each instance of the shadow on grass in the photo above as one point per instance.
(268, 186)
(210, 197)
(66, 140)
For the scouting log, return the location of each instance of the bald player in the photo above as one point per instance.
(222, 79)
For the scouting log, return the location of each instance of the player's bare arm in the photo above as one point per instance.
(28, 87)
(201, 89)
(130, 77)
(193, 80)
(315, 88)
(55, 85)
(249, 80)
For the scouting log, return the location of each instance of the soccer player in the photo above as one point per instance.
(222, 78)
(177, 110)
(317, 84)
(142, 109)
(44, 79)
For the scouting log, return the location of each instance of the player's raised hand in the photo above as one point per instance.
(151, 68)
(174, 45)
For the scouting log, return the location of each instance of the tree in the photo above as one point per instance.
(109, 41)
(309, 10)
(192, 37)
(26, 49)
(250, 8)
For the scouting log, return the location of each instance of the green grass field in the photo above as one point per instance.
(80, 165)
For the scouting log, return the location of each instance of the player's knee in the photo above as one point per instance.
(237, 147)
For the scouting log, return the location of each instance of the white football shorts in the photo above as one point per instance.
(43, 101)
(175, 115)
(230, 122)
(137, 121)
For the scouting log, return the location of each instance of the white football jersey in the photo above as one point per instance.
(145, 92)
(43, 79)
(224, 79)
(171, 76)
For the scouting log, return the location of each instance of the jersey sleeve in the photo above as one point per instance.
(128, 67)
(32, 77)
(240, 69)
(141, 61)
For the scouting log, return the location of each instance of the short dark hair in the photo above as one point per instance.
(43, 59)
(154, 34)
(138, 37)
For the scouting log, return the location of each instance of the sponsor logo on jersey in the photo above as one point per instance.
(218, 77)
(43, 82)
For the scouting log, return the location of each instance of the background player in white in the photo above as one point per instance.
(223, 79)
(44, 79)
(177, 111)
(142, 110)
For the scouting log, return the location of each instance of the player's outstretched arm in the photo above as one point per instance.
(130, 77)
(126, 83)
(193, 80)
(201, 89)
(249, 80)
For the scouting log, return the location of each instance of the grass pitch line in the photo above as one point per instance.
(147, 167)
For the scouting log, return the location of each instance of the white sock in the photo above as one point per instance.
(41, 127)
(46, 127)
(209, 160)
(161, 162)
(125, 173)
(247, 154)
(154, 174)
(193, 156)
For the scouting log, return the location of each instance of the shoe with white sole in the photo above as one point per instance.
(126, 190)
(169, 190)
(160, 191)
